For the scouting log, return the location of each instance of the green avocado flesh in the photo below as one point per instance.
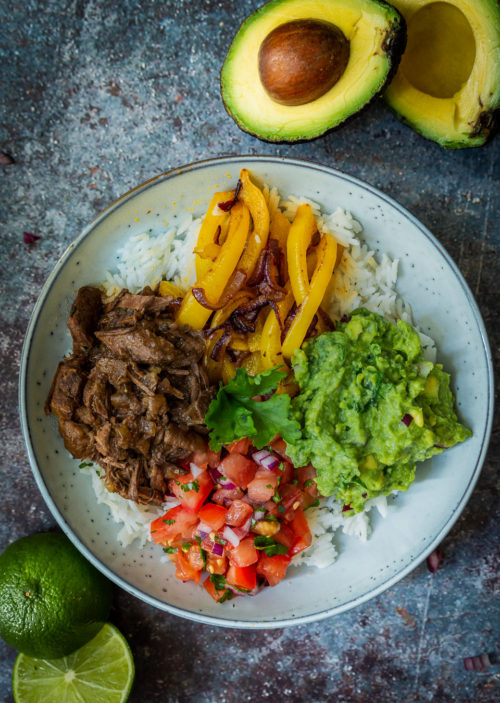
(370, 406)
(376, 36)
(448, 83)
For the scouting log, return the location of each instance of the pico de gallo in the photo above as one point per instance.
(238, 518)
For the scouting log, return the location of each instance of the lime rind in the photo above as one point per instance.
(102, 671)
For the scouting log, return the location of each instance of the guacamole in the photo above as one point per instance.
(370, 406)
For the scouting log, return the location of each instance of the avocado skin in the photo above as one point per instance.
(393, 45)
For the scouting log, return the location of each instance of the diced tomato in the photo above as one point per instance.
(213, 515)
(286, 473)
(238, 513)
(271, 507)
(244, 554)
(241, 446)
(291, 499)
(278, 445)
(306, 476)
(302, 532)
(238, 468)
(225, 496)
(263, 486)
(194, 556)
(286, 535)
(273, 569)
(192, 492)
(210, 588)
(206, 459)
(177, 525)
(184, 569)
(242, 577)
(216, 565)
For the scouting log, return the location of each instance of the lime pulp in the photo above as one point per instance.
(102, 671)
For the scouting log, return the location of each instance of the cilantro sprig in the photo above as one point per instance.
(269, 545)
(233, 414)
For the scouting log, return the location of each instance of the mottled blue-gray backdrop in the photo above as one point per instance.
(96, 97)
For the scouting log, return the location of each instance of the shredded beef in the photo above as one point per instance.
(133, 395)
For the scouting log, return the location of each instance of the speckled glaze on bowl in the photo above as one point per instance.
(417, 520)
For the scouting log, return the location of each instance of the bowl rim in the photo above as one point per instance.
(244, 160)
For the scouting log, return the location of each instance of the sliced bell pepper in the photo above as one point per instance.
(215, 280)
(270, 347)
(327, 254)
(214, 218)
(299, 237)
(253, 198)
(168, 288)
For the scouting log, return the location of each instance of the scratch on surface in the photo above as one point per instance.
(485, 228)
(422, 637)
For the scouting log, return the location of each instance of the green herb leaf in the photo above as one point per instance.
(269, 545)
(219, 581)
(186, 546)
(233, 415)
(169, 522)
(170, 550)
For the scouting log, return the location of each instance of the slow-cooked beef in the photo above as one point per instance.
(133, 395)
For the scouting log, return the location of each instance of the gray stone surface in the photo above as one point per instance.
(97, 96)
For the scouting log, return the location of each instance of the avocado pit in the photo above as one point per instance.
(300, 61)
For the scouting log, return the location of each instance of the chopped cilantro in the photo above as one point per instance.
(314, 505)
(191, 486)
(233, 414)
(186, 546)
(202, 551)
(268, 485)
(219, 581)
(169, 522)
(220, 540)
(276, 497)
(281, 509)
(226, 596)
(84, 464)
(269, 545)
(170, 550)
(308, 482)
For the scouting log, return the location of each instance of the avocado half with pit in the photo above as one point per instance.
(297, 68)
(448, 83)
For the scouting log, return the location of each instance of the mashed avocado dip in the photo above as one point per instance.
(370, 406)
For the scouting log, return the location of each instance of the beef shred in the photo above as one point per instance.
(133, 395)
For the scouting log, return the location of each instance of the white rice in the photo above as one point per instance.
(360, 280)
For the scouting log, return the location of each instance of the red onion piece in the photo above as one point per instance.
(244, 530)
(265, 459)
(195, 470)
(407, 419)
(226, 483)
(480, 662)
(217, 549)
(171, 502)
(6, 159)
(29, 238)
(215, 474)
(231, 536)
(202, 534)
(434, 559)
(203, 528)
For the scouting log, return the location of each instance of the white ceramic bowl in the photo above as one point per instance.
(417, 521)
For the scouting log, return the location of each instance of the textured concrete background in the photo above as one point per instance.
(96, 97)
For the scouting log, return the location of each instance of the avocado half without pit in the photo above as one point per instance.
(298, 68)
(448, 83)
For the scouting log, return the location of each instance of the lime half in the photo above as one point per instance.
(102, 671)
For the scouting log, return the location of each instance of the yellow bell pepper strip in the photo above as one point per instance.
(256, 203)
(168, 288)
(228, 370)
(299, 237)
(253, 363)
(214, 218)
(214, 281)
(270, 343)
(327, 254)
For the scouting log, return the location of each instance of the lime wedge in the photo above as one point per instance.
(102, 671)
